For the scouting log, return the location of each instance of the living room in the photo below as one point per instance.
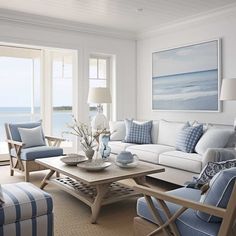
(127, 47)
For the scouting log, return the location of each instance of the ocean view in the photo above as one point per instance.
(198, 90)
(22, 114)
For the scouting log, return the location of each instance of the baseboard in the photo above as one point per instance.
(4, 157)
(4, 163)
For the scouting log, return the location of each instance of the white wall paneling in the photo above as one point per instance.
(218, 26)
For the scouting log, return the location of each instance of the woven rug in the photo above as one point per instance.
(72, 217)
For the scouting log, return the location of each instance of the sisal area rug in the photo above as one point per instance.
(72, 217)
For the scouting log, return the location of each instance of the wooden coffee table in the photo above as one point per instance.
(96, 188)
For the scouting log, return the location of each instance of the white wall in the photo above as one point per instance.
(217, 26)
(123, 50)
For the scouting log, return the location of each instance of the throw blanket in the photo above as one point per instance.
(218, 155)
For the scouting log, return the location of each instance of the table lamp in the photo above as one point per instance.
(99, 96)
(228, 92)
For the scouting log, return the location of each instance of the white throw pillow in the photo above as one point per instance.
(168, 132)
(1, 196)
(32, 137)
(117, 129)
(213, 138)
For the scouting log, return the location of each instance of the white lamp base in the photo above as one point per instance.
(99, 122)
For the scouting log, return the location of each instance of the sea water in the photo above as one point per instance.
(60, 119)
(188, 91)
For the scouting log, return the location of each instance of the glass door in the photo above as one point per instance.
(20, 88)
(62, 97)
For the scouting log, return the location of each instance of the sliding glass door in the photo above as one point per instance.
(19, 87)
(62, 96)
(37, 84)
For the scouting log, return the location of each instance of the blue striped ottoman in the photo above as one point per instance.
(26, 211)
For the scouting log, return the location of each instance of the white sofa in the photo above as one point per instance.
(180, 166)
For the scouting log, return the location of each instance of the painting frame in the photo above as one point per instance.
(219, 76)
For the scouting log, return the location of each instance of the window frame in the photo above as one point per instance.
(107, 58)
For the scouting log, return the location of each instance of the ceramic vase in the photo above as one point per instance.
(104, 149)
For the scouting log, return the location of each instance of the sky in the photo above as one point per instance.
(15, 84)
(199, 57)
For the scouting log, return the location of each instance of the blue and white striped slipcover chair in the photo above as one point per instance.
(26, 211)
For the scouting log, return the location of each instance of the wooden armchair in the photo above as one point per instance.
(169, 227)
(22, 159)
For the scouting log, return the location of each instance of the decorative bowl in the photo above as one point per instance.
(73, 159)
(94, 165)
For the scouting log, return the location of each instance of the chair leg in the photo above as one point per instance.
(57, 174)
(26, 176)
(26, 171)
(11, 172)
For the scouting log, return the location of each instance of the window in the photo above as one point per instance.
(62, 91)
(98, 77)
(20, 87)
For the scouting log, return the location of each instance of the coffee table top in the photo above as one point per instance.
(111, 174)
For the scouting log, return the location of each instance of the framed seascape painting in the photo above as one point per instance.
(187, 78)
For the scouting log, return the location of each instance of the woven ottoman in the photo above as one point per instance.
(26, 211)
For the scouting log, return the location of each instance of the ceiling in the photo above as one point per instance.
(127, 15)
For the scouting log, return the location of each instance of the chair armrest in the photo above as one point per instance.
(52, 138)
(216, 211)
(15, 142)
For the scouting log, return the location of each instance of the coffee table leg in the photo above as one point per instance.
(101, 192)
(46, 178)
(141, 180)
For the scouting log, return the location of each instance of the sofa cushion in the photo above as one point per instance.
(188, 137)
(23, 201)
(186, 161)
(118, 146)
(14, 132)
(149, 152)
(188, 223)
(212, 168)
(117, 129)
(33, 153)
(168, 131)
(139, 133)
(127, 127)
(213, 138)
(32, 137)
(221, 187)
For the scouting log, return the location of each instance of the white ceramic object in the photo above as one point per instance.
(73, 159)
(129, 165)
(126, 157)
(95, 165)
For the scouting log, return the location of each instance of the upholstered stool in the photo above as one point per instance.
(26, 210)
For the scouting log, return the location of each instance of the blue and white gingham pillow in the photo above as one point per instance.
(139, 133)
(188, 137)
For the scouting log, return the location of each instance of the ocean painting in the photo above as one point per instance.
(186, 78)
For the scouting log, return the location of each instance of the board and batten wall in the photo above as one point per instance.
(221, 25)
(123, 50)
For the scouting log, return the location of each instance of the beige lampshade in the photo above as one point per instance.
(99, 95)
(228, 89)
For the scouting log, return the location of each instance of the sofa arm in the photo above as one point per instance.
(217, 155)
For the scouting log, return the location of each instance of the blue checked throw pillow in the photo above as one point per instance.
(188, 137)
(139, 133)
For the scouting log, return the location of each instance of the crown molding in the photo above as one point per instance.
(65, 25)
(196, 19)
